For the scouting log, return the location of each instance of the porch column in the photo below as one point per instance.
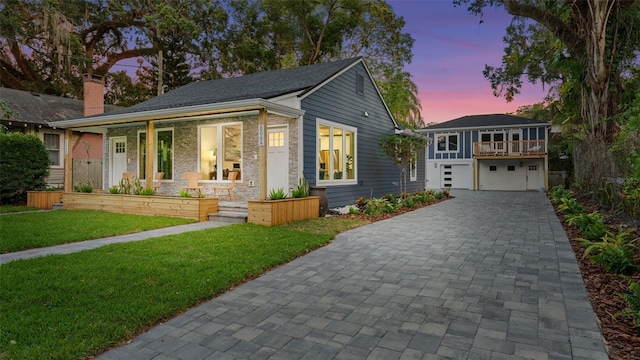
(262, 153)
(68, 160)
(148, 166)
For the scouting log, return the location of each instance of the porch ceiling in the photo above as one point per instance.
(241, 107)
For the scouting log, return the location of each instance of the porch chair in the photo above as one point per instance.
(193, 178)
(129, 176)
(217, 190)
(157, 181)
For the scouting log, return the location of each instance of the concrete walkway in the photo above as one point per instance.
(487, 275)
(92, 244)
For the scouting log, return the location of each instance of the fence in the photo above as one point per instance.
(87, 170)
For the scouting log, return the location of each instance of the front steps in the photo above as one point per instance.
(233, 212)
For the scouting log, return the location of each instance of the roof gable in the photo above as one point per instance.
(485, 121)
(262, 85)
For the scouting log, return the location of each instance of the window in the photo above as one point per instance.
(493, 168)
(511, 168)
(413, 174)
(52, 143)
(533, 167)
(163, 161)
(447, 143)
(221, 150)
(359, 84)
(336, 146)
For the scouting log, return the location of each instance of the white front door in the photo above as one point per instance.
(535, 179)
(515, 147)
(118, 159)
(278, 159)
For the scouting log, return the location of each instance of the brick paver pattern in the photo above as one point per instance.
(486, 275)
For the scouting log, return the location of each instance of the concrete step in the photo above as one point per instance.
(232, 217)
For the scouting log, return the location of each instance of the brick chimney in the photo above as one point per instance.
(93, 95)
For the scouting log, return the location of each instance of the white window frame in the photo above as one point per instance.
(220, 150)
(332, 125)
(447, 144)
(60, 148)
(155, 151)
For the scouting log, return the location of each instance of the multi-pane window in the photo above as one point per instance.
(221, 150)
(447, 143)
(52, 143)
(337, 159)
(164, 153)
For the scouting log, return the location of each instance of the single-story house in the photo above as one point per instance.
(321, 122)
(34, 113)
(488, 152)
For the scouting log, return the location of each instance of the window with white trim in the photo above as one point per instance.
(413, 174)
(447, 143)
(53, 143)
(337, 160)
(220, 149)
(163, 162)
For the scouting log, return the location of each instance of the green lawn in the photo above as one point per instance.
(22, 231)
(16, 208)
(77, 305)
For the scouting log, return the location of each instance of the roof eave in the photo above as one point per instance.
(180, 112)
(464, 128)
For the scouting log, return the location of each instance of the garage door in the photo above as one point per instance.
(511, 175)
(455, 176)
(502, 176)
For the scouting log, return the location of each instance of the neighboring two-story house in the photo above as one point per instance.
(488, 152)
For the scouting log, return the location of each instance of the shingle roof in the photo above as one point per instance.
(490, 120)
(37, 108)
(263, 85)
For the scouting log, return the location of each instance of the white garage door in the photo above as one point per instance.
(455, 176)
(511, 175)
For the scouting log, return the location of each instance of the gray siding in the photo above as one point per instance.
(338, 102)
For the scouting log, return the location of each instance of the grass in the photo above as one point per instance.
(22, 231)
(4, 209)
(76, 305)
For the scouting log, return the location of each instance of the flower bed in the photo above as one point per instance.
(276, 212)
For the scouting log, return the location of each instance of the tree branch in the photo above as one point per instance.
(569, 37)
(112, 59)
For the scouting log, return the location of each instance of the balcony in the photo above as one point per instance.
(510, 149)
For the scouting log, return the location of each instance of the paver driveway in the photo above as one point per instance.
(486, 275)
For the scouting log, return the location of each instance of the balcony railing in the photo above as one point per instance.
(520, 148)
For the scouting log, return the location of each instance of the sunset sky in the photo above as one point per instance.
(450, 51)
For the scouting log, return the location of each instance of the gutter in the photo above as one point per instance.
(184, 111)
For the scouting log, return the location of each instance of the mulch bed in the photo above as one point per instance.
(621, 339)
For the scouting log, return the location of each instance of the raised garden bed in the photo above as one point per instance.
(43, 199)
(276, 212)
(184, 207)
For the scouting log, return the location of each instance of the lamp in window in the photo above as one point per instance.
(212, 159)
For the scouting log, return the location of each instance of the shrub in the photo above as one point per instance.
(569, 205)
(24, 165)
(592, 225)
(185, 193)
(362, 202)
(558, 192)
(614, 252)
(302, 190)
(446, 192)
(632, 298)
(114, 190)
(277, 194)
(353, 210)
(84, 187)
(148, 191)
(378, 206)
(409, 201)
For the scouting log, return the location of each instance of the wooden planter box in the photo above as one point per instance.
(276, 212)
(183, 207)
(43, 199)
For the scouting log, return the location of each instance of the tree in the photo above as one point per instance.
(48, 46)
(274, 34)
(585, 48)
(402, 150)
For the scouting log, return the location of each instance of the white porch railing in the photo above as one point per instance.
(519, 148)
